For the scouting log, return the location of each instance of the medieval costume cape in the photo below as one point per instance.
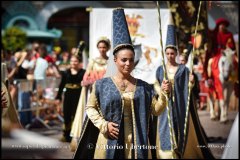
(110, 106)
(193, 144)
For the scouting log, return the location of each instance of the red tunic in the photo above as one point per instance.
(223, 40)
(215, 75)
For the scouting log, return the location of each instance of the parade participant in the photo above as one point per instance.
(95, 70)
(97, 66)
(183, 58)
(172, 142)
(71, 80)
(223, 38)
(118, 122)
(223, 48)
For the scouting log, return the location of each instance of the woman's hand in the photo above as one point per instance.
(86, 83)
(113, 130)
(166, 86)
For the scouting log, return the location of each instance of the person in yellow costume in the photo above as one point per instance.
(95, 70)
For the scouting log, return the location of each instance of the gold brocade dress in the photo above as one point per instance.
(101, 145)
(94, 113)
(97, 64)
(127, 96)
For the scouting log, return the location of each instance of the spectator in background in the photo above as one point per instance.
(16, 70)
(41, 64)
(56, 54)
(9, 114)
(27, 65)
(65, 63)
(11, 64)
(40, 73)
(52, 70)
(24, 96)
(35, 52)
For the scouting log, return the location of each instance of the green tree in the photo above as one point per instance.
(14, 39)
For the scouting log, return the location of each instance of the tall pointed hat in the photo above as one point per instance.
(171, 36)
(79, 51)
(121, 36)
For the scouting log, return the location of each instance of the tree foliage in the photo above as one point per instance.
(14, 39)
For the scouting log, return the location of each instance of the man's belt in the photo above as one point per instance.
(72, 86)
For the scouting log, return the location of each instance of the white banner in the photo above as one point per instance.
(144, 29)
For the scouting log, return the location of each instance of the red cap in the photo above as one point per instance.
(222, 21)
(49, 59)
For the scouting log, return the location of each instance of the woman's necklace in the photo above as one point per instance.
(122, 84)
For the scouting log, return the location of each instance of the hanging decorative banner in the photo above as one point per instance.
(144, 30)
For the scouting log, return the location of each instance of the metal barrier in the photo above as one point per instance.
(23, 103)
(38, 90)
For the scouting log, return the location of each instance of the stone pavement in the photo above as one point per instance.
(216, 131)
